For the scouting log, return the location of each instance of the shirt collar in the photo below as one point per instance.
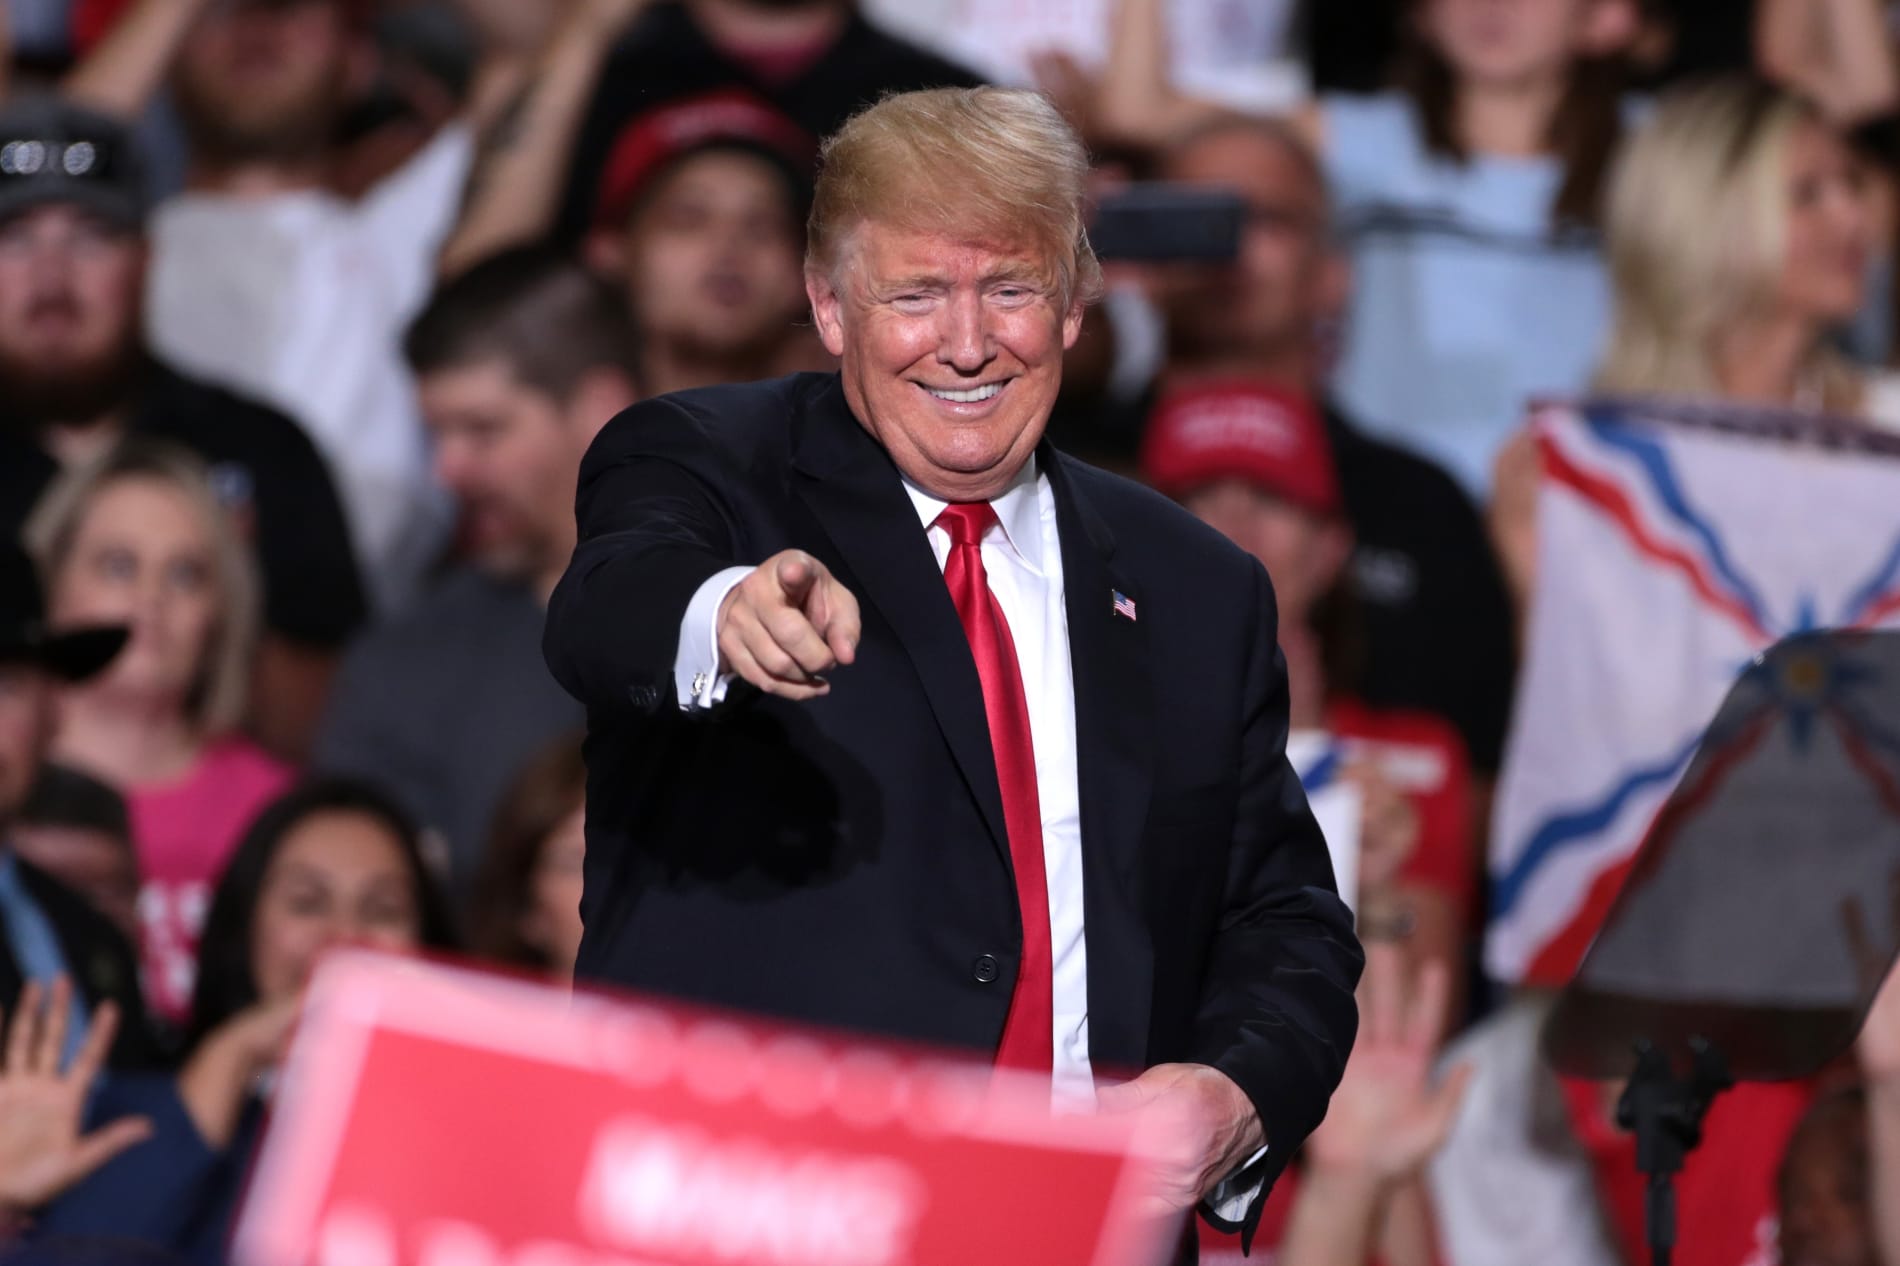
(1018, 512)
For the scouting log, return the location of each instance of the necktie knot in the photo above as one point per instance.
(967, 521)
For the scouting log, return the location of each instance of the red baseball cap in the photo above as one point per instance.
(1266, 435)
(728, 117)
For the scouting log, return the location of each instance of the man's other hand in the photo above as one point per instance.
(786, 625)
(1200, 1128)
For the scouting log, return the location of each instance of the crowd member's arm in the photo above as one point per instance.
(1359, 1187)
(1512, 515)
(1836, 52)
(125, 70)
(1137, 104)
(514, 190)
(1878, 1053)
(43, 1149)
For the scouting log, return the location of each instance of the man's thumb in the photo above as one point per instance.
(1123, 1097)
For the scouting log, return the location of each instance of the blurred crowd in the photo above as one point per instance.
(309, 309)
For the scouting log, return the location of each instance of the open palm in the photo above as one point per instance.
(1386, 1118)
(42, 1108)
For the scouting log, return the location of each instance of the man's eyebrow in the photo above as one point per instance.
(918, 281)
(1022, 273)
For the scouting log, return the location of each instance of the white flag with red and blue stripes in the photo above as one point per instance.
(1675, 543)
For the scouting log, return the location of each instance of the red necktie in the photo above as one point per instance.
(1028, 1039)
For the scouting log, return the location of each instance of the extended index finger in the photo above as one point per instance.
(843, 622)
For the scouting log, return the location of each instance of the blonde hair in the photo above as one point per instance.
(218, 699)
(981, 164)
(1697, 232)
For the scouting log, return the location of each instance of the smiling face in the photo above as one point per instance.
(951, 350)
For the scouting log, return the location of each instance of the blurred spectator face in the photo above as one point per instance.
(952, 350)
(265, 80)
(552, 923)
(69, 310)
(509, 453)
(338, 878)
(1515, 42)
(713, 256)
(1285, 279)
(141, 555)
(1829, 229)
(25, 725)
(96, 864)
(1825, 1216)
(1302, 551)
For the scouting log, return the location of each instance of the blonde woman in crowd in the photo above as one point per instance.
(140, 538)
(1739, 235)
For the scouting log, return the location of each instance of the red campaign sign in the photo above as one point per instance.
(437, 1116)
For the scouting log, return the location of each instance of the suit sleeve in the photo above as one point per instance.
(653, 527)
(1277, 1012)
(154, 1191)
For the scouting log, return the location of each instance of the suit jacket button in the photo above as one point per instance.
(643, 696)
(984, 970)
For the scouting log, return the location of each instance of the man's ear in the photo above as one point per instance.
(1072, 324)
(605, 253)
(827, 309)
(1335, 548)
(600, 394)
(1335, 285)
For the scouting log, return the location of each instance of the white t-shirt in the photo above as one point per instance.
(301, 299)
(1236, 52)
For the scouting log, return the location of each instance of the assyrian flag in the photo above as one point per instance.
(1675, 544)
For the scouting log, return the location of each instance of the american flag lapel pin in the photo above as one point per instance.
(1124, 605)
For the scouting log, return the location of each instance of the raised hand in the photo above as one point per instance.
(42, 1152)
(1878, 1048)
(786, 625)
(1386, 1119)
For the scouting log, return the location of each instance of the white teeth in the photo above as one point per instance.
(967, 397)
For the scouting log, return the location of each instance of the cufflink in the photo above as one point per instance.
(700, 684)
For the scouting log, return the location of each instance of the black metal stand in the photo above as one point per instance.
(1665, 1109)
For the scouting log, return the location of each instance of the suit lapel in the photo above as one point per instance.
(850, 486)
(1114, 720)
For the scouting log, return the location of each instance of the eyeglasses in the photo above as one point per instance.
(26, 157)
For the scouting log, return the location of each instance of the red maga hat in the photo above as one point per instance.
(728, 117)
(1266, 435)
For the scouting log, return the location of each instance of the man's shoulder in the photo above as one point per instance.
(217, 422)
(1149, 526)
(74, 921)
(743, 422)
(1375, 471)
(461, 602)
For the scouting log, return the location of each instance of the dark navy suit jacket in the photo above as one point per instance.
(843, 861)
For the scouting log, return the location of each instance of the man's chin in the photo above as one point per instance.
(67, 392)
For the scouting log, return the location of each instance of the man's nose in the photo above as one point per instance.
(966, 336)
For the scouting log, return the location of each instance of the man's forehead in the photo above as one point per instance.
(887, 251)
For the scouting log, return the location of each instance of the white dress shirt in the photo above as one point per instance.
(1022, 555)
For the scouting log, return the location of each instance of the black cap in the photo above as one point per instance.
(52, 151)
(74, 654)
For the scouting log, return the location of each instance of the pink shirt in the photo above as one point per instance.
(185, 831)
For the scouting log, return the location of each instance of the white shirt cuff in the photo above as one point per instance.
(1235, 1194)
(696, 674)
